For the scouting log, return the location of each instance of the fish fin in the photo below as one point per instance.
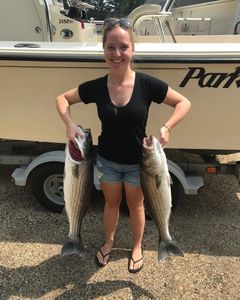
(64, 211)
(170, 179)
(73, 247)
(158, 181)
(168, 248)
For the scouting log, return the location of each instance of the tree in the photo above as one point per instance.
(113, 8)
(122, 8)
(99, 12)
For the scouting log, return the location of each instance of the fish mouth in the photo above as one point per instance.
(148, 142)
(75, 152)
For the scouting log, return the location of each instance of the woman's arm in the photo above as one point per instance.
(181, 107)
(63, 103)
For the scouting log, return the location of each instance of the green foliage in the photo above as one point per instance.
(112, 8)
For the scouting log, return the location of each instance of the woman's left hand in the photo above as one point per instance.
(164, 136)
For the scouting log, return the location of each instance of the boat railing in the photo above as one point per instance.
(151, 12)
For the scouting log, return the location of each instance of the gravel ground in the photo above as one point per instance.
(206, 227)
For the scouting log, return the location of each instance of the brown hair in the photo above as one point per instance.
(108, 29)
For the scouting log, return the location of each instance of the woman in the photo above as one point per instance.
(122, 97)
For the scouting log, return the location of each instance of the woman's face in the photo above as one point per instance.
(118, 48)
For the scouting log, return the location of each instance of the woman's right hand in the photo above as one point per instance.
(73, 131)
(63, 103)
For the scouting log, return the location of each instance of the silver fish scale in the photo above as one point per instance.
(78, 199)
(155, 182)
(159, 207)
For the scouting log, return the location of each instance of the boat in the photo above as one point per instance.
(33, 73)
(221, 17)
(217, 21)
(46, 20)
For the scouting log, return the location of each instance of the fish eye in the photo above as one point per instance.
(144, 155)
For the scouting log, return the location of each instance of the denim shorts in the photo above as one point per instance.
(111, 172)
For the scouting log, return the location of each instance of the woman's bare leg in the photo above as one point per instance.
(134, 198)
(113, 197)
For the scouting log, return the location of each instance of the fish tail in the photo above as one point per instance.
(73, 247)
(168, 248)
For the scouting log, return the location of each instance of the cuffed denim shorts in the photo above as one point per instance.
(111, 172)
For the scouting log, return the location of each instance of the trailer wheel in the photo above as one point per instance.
(47, 185)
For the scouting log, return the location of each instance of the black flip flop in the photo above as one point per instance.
(134, 262)
(103, 256)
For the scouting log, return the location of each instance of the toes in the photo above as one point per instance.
(135, 262)
(102, 257)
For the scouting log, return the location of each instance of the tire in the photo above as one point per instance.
(47, 185)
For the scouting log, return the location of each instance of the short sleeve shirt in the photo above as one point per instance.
(123, 127)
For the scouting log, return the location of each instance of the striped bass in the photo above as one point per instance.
(77, 184)
(155, 182)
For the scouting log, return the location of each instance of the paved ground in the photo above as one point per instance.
(207, 227)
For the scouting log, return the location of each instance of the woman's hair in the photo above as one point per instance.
(111, 23)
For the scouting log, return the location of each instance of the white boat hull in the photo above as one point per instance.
(32, 78)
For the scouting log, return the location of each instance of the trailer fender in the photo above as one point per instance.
(190, 184)
(20, 175)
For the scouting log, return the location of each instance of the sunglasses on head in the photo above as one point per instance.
(111, 22)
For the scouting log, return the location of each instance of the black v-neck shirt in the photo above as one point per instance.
(123, 127)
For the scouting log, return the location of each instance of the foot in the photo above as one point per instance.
(103, 255)
(135, 262)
